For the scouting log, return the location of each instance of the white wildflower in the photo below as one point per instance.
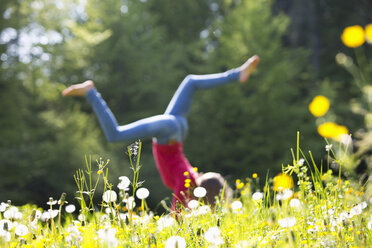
(3, 206)
(193, 204)
(287, 222)
(164, 222)
(107, 236)
(285, 195)
(237, 206)
(124, 183)
(257, 196)
(301, 161)
(50, 214)
(5, 235)
(130, 203)
(213, 236)
(21, 230)
(51, 202)
(5, 225)
(328, 147)
(175, 242)
(73, 234)
(200, 192)
(142, 193)
(109, 196)
(363, 205)
(70, 208)
(12, 213)
(357, 210)
(295, 203)
(369, 225)
(81, 217)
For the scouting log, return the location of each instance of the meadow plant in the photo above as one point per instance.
(300, 207)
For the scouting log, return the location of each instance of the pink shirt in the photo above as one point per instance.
(172, 163)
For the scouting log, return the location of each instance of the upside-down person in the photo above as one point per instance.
(168, 130)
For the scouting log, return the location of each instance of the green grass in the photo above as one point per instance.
(323, 210)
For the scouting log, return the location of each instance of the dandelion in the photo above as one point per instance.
(5, 235)
(319, 106)
(332, 130)
(193, 204)
(130, 203)
(353, 36)
(12, 213)
(81, 217)
(51, 202)
(257, 196)
(295, 203)
(284, 195)
(3, 206)
(5, 225)
(124, 183)
(142, 193)
(50, 214)
(175, 242)
(21, 230)
(164, 222)
(237, 206)
(70, 208)
(200, 192)
(213, 236)
(368, 31)
(109, 196)
(107, 236)
(287, 222)
(282, 182)
(254, 175)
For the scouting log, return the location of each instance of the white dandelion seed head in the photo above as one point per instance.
(357, 210)
(3, 206)
(124, 183)
(193, 204)
(6, 225)
(236, 206)
(257, 196)
(109, 196)
(175, 242)
(369, 225)
(51, 202)
(12, 213)
(142, 193)
(81, 217)
(165, 222)
(363, 205)
(295, 203)
(21, 230)
(70, 208)
(213, 236)
(200, 192)
(287, 222)
(130, 202)
(5, 235)
(107, 236)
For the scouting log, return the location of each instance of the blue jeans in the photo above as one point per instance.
(170, 126)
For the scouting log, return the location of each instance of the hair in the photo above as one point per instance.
(215, 185)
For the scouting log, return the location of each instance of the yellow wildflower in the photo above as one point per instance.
(99, 172)
(319, 106)
(332, 130)
(195, 169)
(187, 185)
(188, 180)
(353, 36)
(282, 182)
(240, 186)
(254, 175)
(368, 31)
(186, 173)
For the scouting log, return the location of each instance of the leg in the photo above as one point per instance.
(163, 127)
(181, 101)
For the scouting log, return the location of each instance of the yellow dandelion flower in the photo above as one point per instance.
(282, 182)
(319, 106)
(186, 173)
(240, 186)
(99, 172)
(332, 130)
(353, 36)
(237, 181)
(254, 175)
(368, 31)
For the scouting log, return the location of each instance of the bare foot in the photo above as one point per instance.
(248, 67)
(78, 89)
